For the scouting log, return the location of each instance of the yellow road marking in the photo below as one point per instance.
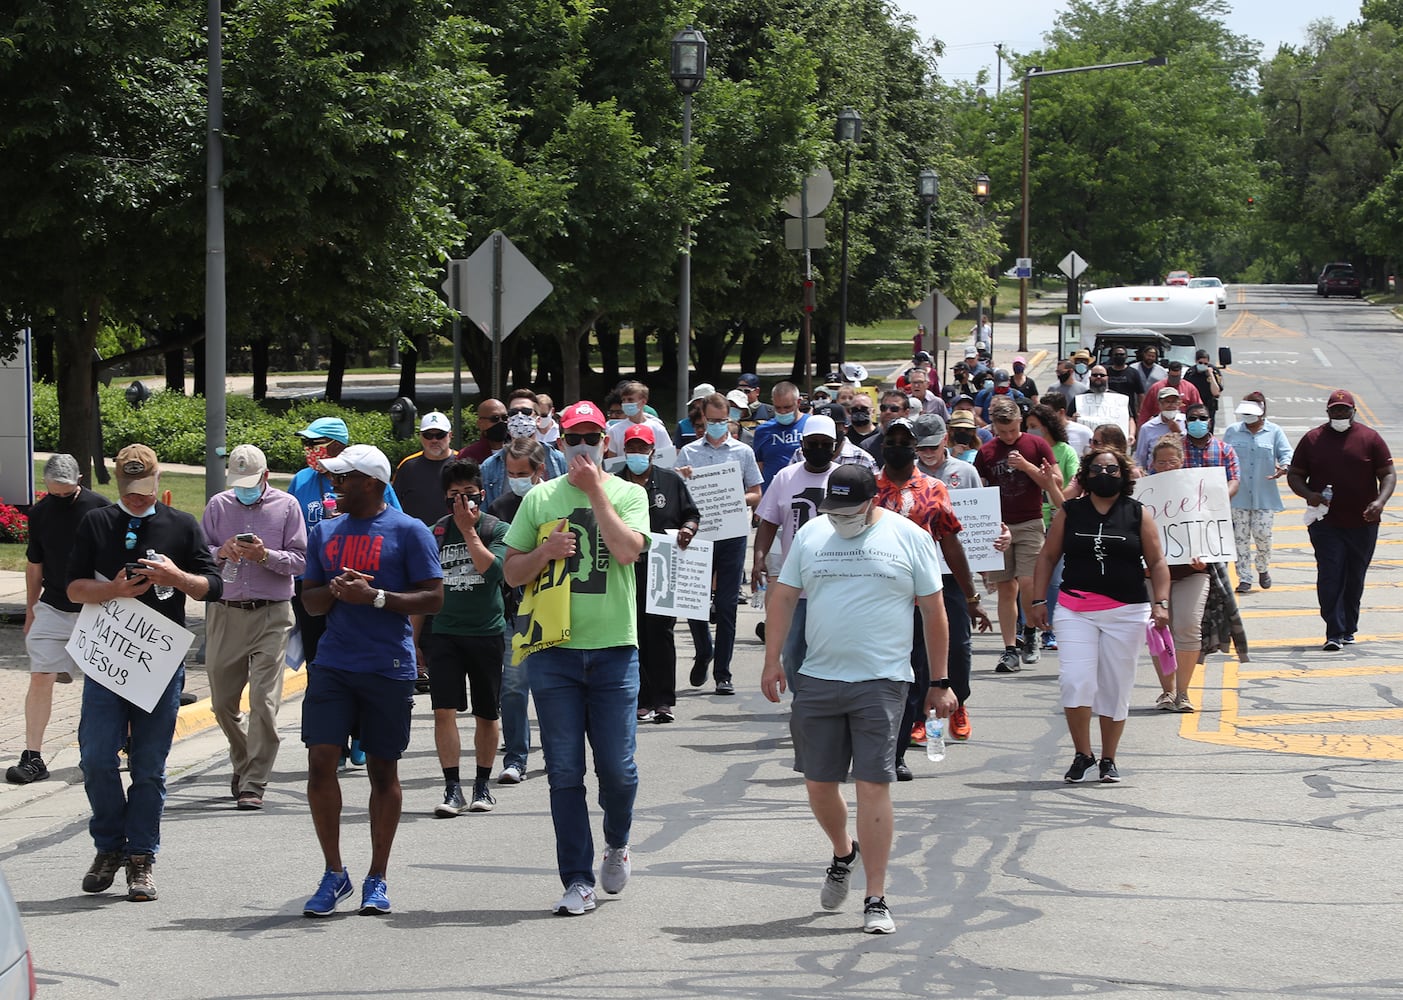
(1321, 718)
(1293, 612)
(1310, 563)
(1291, 673)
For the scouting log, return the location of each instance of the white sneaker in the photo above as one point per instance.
(577, 901)
(876, 918)
(512, 774)
(614, 870)
(837, 881)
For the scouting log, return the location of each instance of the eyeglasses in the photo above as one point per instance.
(886, 408)
(590, 439)
(132, 525)
(491, 418)
(1106, 470)
(523, 411)
(1099, 378)
(433, 435)
(318, 443)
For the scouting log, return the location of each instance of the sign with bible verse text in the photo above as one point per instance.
(679, 580)
(719, 494)
(129, 648)
(981, 522)
(1193, 514)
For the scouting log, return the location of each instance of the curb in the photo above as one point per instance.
(195, 719)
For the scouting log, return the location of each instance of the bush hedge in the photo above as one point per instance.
(174, 426)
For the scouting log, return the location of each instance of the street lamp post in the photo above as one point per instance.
(981, 198)
(1028, 75)
(928, 187)
(688, 71)
(849, 133)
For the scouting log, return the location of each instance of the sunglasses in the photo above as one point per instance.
(341, 477)
(492, 418)
(893, 409)
(591, 439)
(434, 435)
(471, 497)
(522, 411)
(132, 525)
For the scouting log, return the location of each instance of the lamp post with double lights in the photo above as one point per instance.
(688, 70)
(1030, 74)
(849, 133)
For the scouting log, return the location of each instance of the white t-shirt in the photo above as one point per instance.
(792, 500)
(861, 594)
(664, 451)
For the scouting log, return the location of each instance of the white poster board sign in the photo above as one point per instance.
(719, 494)
(981, 521)
(129, 648)
(1193, 514)
(679, 580)
(1097, 408)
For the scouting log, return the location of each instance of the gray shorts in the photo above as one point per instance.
(47, 638)
(840, 723)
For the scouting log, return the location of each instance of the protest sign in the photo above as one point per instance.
(981, 520)
(129, 648)
(1097, 408)
(679, 580)
(1193, 513)
(719, 494)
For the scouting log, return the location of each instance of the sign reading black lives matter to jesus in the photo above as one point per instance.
(129, 648)
(1193, 514)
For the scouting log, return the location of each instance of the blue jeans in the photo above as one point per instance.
(1342, 557)
(961, 630)
(516, 726)
(1054, 588)
(128, 821)
(726, 560)
(587, 694)
(796, 643)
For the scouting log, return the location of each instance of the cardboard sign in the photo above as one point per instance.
(1097, 408)
(543, 619)
(129, 648)
(1193, 513)
(679, 580)
(981, 520)
(719, 494)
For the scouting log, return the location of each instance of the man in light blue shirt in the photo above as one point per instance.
(1263, 456)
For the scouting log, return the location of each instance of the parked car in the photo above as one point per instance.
(1214, 283)
(1177, 278)
(16, 964)
(1339, 279)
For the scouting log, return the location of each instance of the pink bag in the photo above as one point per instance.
(1161, 643)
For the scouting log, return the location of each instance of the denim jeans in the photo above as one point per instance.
(1342, 557)
(726, 559)
(587, 694)
(128, 821)
(1054, 588)
(516, 725)
(796, 643)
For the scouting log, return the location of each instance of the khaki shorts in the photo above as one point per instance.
(1021, 557)
(47, 640)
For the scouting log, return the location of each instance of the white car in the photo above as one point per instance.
(1214, 284)
(16, 965)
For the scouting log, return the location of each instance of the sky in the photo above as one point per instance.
(970, 31)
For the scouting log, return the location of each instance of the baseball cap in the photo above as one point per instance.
(962, 418)
(737, 399)
(137, 469)
(1338, 398)
(1169, 392)
(819, 424)
(930, 430)
(981, 346)
(920, 356)
(702, 391)
(61, 469)
(1001, 377)
(964, 397)
(639, 432)
(971, 351)
(901, 422)
(750, 380)
(1249, 409)
(363, 458)
(326, 427)
(849, 487)
(838, 412)
(583, 412)
(1174, 366)
(247, 463)
(435, 422)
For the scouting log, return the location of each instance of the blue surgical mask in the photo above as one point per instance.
(717, 429)
(1080, 368)
(248, 495)
(137, 513)
(1198, 428)
(632, 409)
(787, 418)
(637, 464)
(735, 413)
(520, 486)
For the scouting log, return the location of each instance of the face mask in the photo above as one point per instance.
(66, 499)
(861, 418)
(717, 430)
(1198, 428)
(1080, 369)
(735, 413)
(248, 495)
(1201, 367)
(632, 409)
(595, 453)
(1063, 376)
(1341, 425)
(137, 513)
(637, 464)
(1103, 485)
(818, 455)
(543, 424)
(520, 486)
(968, 455)
(1117, 362)
(497, 432)
(898, 456)
(849, 525)
(315, 456)
(785, 419)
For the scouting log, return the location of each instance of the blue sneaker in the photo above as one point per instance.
(357, 754)
(373, 900)
(335, 886)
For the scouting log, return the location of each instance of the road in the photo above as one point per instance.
(1249, 851)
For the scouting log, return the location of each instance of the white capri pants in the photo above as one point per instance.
(1098, 657)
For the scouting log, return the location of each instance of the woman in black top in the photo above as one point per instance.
(1108, 541)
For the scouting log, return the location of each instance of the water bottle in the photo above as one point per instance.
(229, 571)
(1327, 494)
(329, 504)
(757, 599)
(163, 593)
(935, 737)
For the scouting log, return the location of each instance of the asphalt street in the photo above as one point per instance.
(1248, 852)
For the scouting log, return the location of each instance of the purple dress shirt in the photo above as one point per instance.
(277, 520)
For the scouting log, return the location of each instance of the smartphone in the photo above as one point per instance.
(135, 569)
(246, 536)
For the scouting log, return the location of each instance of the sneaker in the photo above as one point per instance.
(876, 918)
(421, 683)
(959, 728)
(1182, 704)
(334, 887)
(614, 870)
(698, 675)
(577, 901)
(645, 715)
(1081, 763)
(357, 754)
(835, 882)
(903, 772)
(1008, 662)
(482, 799)
(918, 733)
(1165, 701)
(1264, 581)
(141, 887)
(27, 770)
(1332, 646)
(725, 687)
(248, 801)
(512, 774)
(1050, 641)
(453, 802)
(663, 716)
(1244, 587)
(63, 677)
(373, 901)
(760, 631)
(1031, 653)
(1109, 774)
(1348, 640)
(103, 870)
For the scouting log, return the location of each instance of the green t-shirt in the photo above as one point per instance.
(602, 592)
(472, 601)
(1066, 461)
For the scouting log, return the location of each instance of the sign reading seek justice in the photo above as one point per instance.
(1193, 514)
(129, 648)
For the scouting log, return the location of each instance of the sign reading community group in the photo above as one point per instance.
(129, 648)
(1193, 514)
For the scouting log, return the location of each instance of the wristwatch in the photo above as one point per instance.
(943, 683)
(379, 599)
(975, 599)
(1162, 604)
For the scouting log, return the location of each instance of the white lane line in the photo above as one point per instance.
(1320, 356)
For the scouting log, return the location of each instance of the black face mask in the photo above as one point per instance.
(818, 455)
(66, 499)
(964, 438)
(898, 456)
(1103, 485)
(861, 418)
(497, 432)
(1063, 376)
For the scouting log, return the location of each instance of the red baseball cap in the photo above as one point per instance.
(583, 412)
(1338, 397)
(639, 432)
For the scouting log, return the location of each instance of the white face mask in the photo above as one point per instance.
(520, 486)
(1341, 425)
(595, 453)
(850, 525)
(138, 513)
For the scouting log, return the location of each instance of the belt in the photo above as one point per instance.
(249, 605)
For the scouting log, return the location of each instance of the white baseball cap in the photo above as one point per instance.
(435, 421)
(819, 424)
(363, 458)
(247, 463)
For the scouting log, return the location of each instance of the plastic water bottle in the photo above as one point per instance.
(329, 504)
(229, 571)
(757, 599)
(162, 593)
(1327, 494)
(935, 737)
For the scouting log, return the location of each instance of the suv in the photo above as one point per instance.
(1339, 279)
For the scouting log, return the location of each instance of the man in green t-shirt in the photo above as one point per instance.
(585, 529)
(467, 641)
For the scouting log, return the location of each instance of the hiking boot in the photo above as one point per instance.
(30, 768)
(141, 886)
(835, 882)
(103, 870)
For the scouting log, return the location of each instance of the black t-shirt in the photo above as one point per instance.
(100, 547)
(1127, 382)
(1103, 554)
(419, 485)
(1202, 381)
(670, 505)
(53, 524)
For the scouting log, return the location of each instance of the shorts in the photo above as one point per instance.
(337, 700)
(47, 640)
(1187, 599)
(840, 723)
(1021, 557)
(458, 663)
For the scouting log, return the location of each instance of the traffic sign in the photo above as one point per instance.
(794, 236)
(1072, 265)
(1024, 268)
(819, 193)
(935, 312)
(498, 271)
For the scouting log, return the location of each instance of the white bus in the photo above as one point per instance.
(1187, 316)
